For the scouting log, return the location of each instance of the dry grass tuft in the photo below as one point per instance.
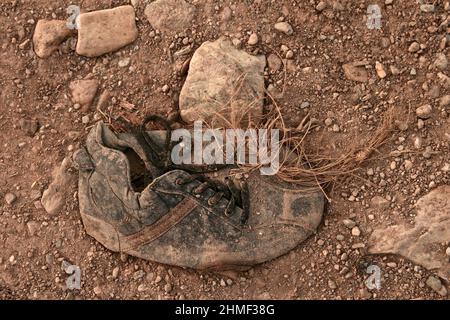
(299, 166)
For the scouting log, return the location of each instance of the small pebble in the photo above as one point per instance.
(168, 288)
(381, 72)
(336, 128)
(436, 284)
(321, 6)
(97, 291)
(414, 47)
(332, 285)
(124, 62)
(349, 223)
(115, 272)
(356, 232)
(424, 112)
(253, 40)
(284, 27)
(408, 165)
(10, 198)
(141, 288)
(427, 8)
(165, 88)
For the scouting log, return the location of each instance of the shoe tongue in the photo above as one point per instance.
(124, 141)
(107, 138)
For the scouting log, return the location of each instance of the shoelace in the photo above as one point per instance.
(235, 196)
(161, 160)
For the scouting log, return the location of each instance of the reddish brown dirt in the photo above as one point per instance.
(321, 268)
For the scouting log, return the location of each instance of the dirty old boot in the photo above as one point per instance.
(178, 220)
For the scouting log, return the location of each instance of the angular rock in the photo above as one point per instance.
(83, 92)
(444, 101)
(10, 198)
(33, 228)
(48, 36)
(355, 72)
(103, 100)
(441, 62)
(444, 79)
(123, 63)
(223, 80)
(274, 62)
(379, 202)
(106, 31)
(170, 15)
(35, 195)
(321, 6)
(85, 119)
(356, 232)
(408, 165)
(226, 14)
(379, 68)
(284, 27)
(427, 8)
(53, 198)
(394, 70)
(424, 112)
(414, 47)
(30, 127)
(420, 243)
(253, 39)
(436, 284)
(349, 223)
(135, 3)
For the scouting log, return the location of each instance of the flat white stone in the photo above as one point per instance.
(106, 31)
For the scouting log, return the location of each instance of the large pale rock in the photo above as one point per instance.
(54, 197)
(424, 243)
(223, 83)
(106, 31)
(83, 92)
(170, 15)
(48, 36)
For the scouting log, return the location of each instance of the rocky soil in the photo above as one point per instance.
(130, 58)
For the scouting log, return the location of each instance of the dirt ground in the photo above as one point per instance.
(330, 265)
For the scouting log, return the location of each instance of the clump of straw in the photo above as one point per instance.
(316, 170)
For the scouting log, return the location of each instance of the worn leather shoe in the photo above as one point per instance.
(176, 219)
